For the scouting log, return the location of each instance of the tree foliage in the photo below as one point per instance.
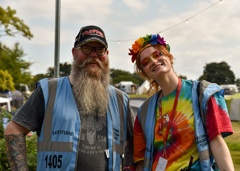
(11, 60)
(238, 82)
(64, 70)
(35, 79)
(11, 25)
(219, 73)
(118, 75)
(6, 81)
(183, 77)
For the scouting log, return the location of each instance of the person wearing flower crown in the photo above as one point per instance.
(180, 127)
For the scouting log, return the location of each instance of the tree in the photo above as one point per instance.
(139, 78)
(238, 82)
(11, 25)
(6, 81)
(11, 60)
(65, 70)
(35, 79)
(183, 77)
(118, 75)
(219, 73)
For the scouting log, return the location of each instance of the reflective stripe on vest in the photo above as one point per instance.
(117, 126)
(147, 113)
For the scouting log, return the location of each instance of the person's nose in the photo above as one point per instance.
(94, 53)
(153, 61)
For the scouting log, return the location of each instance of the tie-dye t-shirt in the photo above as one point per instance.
(181, 142)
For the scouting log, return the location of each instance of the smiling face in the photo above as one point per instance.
(90, 71)
(91, 61)
(155, 63)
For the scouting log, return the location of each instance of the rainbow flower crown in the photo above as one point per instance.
(143, 41)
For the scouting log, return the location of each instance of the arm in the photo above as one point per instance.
(219, 125)
(221, 153)
(15, 141)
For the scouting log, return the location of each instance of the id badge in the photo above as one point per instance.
(162, 163)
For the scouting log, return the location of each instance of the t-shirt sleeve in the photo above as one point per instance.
(31, 114)
(138, 142)
(217, 118)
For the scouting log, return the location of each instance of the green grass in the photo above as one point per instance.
(233, 142)
(138, 95)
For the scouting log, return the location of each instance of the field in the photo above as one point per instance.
(233, 143)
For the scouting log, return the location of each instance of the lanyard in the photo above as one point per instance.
(172, 114)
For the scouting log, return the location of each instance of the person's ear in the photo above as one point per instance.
(74, 53)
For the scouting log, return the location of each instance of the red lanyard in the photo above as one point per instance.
(172, 114)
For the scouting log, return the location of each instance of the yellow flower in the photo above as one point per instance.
(140, 41)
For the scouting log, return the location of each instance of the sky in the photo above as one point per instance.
(210, 35)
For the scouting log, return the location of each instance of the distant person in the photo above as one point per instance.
(170, 133)
(82, 122)
(17, 99)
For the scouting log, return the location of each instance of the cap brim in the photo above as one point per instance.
(93, 40)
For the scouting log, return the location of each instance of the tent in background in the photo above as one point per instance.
(233, 105)
(7, 102)
(143, 89)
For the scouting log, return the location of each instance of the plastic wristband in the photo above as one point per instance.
(129, 168)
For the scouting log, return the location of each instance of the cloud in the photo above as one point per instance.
(211, 36)
(136, 4)
(82, 11)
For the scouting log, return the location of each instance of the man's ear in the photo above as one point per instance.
(74, 51)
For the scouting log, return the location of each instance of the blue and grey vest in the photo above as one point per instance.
(147, 113)
(58, 141)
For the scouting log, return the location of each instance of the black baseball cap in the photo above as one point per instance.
(90, 33)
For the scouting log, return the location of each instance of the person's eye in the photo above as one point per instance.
(101, 49)
(160, 53)
(157, 54)
(145, 62)
(87, 47)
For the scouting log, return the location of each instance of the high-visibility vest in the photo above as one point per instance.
(58, 142)
(147, 113)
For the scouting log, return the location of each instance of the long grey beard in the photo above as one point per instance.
(90, 89)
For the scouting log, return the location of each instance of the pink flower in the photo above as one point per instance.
(161, 41)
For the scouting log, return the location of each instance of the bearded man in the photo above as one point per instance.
(82, 122)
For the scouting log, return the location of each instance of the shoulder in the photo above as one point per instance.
(153, 99)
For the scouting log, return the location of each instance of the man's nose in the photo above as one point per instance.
(94, 53)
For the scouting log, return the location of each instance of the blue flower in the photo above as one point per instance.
(154, 39)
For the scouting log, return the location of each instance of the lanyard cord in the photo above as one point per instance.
(172, 114)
